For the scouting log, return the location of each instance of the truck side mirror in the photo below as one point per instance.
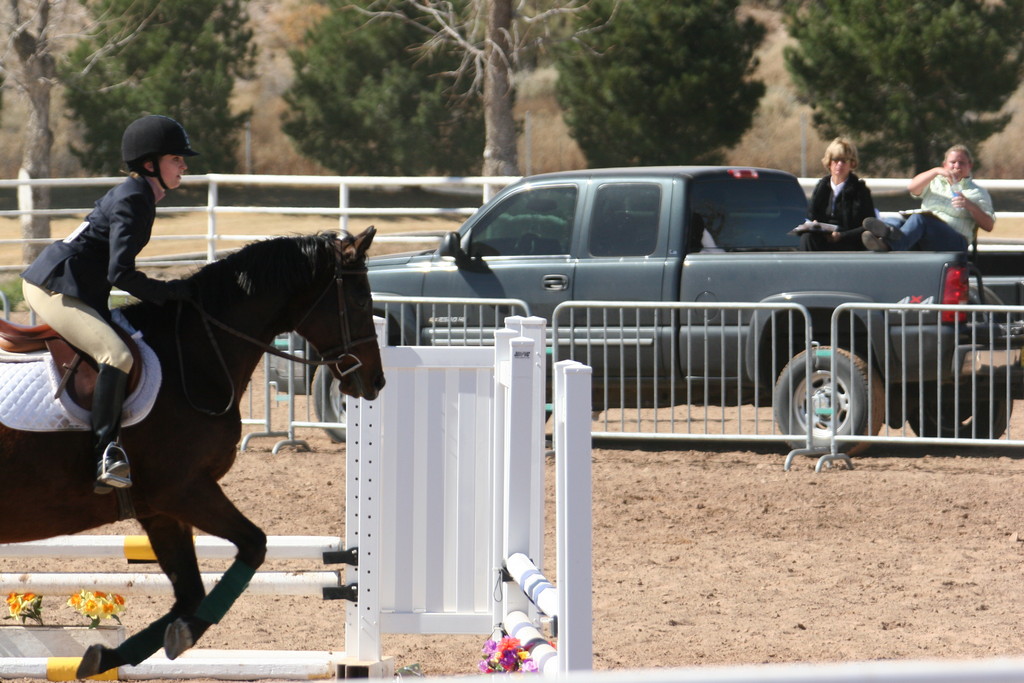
(450, 246)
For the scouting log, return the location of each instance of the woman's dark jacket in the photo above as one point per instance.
(852, 206)
(101, 253)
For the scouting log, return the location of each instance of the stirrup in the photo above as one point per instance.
(113, 470)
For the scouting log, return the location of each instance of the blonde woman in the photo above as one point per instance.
(840, 198)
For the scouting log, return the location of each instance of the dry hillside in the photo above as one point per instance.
(781, 136)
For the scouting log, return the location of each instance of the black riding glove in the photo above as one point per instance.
(157, 291)
(181, 290)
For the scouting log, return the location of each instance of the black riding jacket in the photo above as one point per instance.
(101, 253)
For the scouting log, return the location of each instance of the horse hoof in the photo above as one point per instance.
(90, 664)
(177, 638)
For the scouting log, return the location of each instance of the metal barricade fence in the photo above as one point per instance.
(704, 371)
(723, 371)
(926, 374)
(311, 395)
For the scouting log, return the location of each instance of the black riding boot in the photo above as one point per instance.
(112, 469)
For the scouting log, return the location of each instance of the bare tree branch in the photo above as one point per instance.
(492, 37)
(34, 32)
(127, 35)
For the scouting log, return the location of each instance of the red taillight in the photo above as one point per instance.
(743, 173)
(954, 291)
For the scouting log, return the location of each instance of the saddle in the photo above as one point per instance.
(78, 370)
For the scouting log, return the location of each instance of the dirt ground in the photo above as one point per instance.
(703, 554)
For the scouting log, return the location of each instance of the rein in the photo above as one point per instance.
(342, 350)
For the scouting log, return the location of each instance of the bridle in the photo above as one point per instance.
(333, 356)
(342, 350)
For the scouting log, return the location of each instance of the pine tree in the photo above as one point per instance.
(364, 101)
(661, 82)
(180, 59)
(907, 78)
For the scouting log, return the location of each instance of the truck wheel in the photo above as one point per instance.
(329, 403)
(987, 420)
(974, 296)
(844, 397)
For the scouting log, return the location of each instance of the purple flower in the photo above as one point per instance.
(509, 660)
(490, 647)
(530, 666)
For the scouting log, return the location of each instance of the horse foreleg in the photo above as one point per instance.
(183, 632)
(218, 516)
(172, 543)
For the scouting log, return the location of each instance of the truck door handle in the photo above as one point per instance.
(556, 283)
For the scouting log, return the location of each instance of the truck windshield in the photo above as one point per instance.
(748, 213)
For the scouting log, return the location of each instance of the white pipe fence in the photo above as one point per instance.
(882, 185)
(481, 188)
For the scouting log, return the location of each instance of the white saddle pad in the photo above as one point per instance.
(28, 383)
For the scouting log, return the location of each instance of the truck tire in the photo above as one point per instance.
(846, 396)
(992, 416)
(988, 422)
(329, 403)
(975, 296)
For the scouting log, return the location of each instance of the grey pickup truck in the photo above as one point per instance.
(681, 234)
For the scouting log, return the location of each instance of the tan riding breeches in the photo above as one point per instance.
(80, 324)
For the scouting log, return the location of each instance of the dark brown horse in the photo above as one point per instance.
(315, 285)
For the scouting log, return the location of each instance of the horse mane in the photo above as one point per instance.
(281, 264)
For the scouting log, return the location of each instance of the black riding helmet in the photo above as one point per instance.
(149, 138)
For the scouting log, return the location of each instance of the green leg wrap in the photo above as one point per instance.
(139, 647)
(234, 582)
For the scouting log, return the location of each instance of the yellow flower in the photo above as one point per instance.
(25, 606)
(97, 605)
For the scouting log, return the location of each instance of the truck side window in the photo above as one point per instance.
(625, 219)
(533, 222)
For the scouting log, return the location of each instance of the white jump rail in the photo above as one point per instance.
(138, 548)
(228, 665)
(910, 671)
(151, 583)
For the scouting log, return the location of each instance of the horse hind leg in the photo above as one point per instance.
(175, 551)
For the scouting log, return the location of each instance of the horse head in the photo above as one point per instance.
(340, 324)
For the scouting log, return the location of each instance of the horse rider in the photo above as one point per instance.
(69, 284)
